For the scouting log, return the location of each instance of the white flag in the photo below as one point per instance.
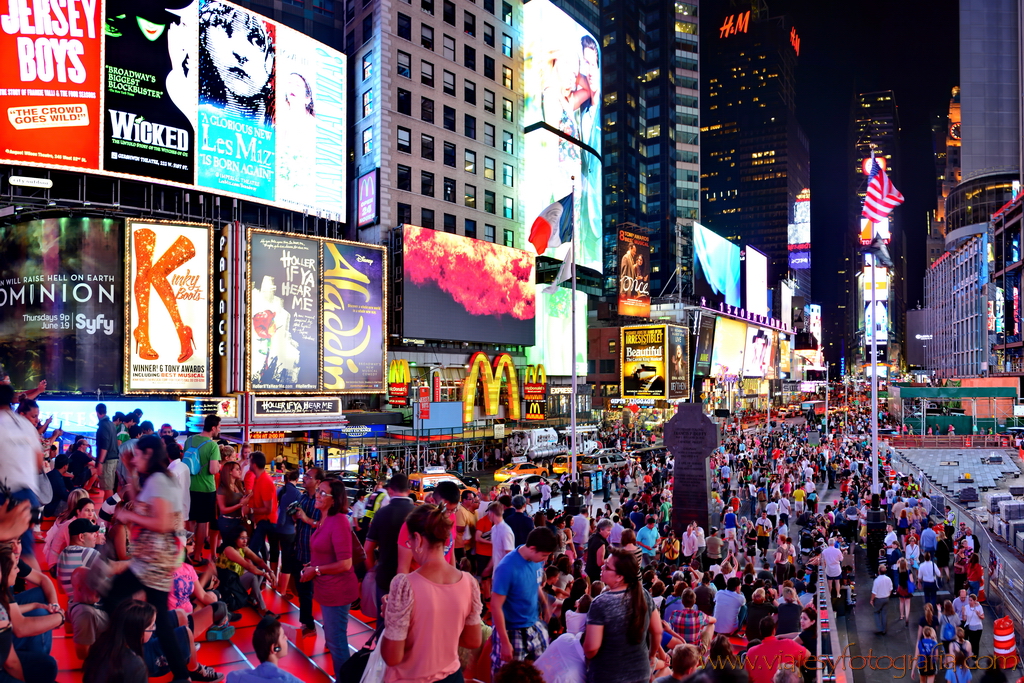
(565, 272)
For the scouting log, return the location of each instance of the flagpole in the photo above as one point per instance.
(874, 376)
(572, 324)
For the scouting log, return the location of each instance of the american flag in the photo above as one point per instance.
(881, 196)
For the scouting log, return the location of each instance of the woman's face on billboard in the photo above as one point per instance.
(241, 53)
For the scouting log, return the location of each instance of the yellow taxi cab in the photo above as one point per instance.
(561, 464)
(422, 484)
(517, 469)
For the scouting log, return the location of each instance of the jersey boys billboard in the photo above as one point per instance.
(198, 92)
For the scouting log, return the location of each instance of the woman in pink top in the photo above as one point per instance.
(422, 607)
(335, 585)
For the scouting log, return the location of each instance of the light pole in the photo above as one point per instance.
(826, 399)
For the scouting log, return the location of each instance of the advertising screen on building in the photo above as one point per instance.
(757, 352)
(785, 355)
(367, 199)
(786, 303)
(644, 355)
(881, 326)
(200, 93)
(634, 259)
(730, 340)
(679, 362)
(716, 265)
(799, 233)
(284, 312)
(881, 229)
(562, 97)
(168, 307)
(463, 289)
(705, 340)
(554, 332)
(881, 284)
(755, 275)
(919, 336)
(62, 304)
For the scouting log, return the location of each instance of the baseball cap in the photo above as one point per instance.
(81, 526)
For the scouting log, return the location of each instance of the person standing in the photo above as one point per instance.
(972, 617)
(307, 518)
(106, 450)
(545, 495)
(928, 574)
(597, 549)
(203, 485)
(382, 535)
(465, 524)
(335, 586)
(881, 589)
(519, 521)
(263, 503)
(647, 538)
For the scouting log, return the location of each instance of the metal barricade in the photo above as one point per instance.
(830, 665)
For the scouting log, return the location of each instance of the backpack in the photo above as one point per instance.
(948, 630)
(191, 455)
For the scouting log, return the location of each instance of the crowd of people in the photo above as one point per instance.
(154, 543)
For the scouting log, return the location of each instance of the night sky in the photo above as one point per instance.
(907, 46)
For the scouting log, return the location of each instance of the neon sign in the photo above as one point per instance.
(535, 386)
(794, 40)
(734, 24)
(399, 378)
(479, 371)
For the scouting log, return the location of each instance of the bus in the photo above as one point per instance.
(817, 407)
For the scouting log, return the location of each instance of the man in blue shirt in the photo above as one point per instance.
(636, 517)
(271, 645)
(520, 631)
(647, 538)
(928, 540)
(727, 607)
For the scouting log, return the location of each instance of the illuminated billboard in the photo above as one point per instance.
(315, 315)
(716, 267)
(554, 331)
(757, 352)
(705, 339)
(463, 289)
(881, 292)
(168, 307)
(62, 304)
(202, 94)
(730, 340)
(799, 232)
(755, 274)
(881, 326)
(644, 362)
(634, 257)
(880, 228)
(678, 343)
(786, 304)
(562, 119)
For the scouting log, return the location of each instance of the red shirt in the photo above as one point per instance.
(263, 489)
(764, 660)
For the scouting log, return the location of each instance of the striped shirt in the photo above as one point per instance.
(70, 559)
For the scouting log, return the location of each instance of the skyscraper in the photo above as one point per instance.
(754, 155)
(946, 132)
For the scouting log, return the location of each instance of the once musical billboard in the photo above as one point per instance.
(634, 257)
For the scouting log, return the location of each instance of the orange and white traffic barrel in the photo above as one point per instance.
(1004, 643)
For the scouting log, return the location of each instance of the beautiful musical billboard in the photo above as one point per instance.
(644, 362)
(462, 289)
(716, 265)
(554, 326)
(634, 258)
(678, 342)
(194, 93)
(562, 120)
(730, 340)
(168, 307)
(62, 304)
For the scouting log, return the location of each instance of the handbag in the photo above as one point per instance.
(44, 490)
(357, 664)
(368, 595)
(375, 667)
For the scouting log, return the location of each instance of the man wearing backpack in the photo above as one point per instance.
(202, 455)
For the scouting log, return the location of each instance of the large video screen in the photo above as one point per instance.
(757, 352)
(562, 101)
(730, 340)
(644, 362)
(756, 281)
(201, 93)
(168, 307)
(463, 289)
(62, 304)
(716, 265)
(554, 329)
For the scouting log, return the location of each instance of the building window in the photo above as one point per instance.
(367, 103)
(367, 27)
(506, 77)
(404, 102)
(488, 101)
(510, 211)
(448, 12)
(612, 346)
(449, 223)
(427, 73)
(469, 92)
(470, 228)
(489, 6)
(324, 7)
(367, 65)
(404, 64)
(489, 231)
(507, 144)
(427, 147)
(449, 118)
(427, 37)
(404, 213)
(470, 197)
(427, 6)
(470, 161)
(489, 168)
(469, 57)
(368, 140)
(449, 190)
(489, 135)
(488, 34)
(506, 108)
(506, 44)
(470, 127)
(510, 238)
(449, 154)
(427, 218)
(489, 68)
(506, 12)
(489, 201)
(404, 140)
(404, 178)
(448, 83)
(469, 24)
(427, 109)
(404, 26)
(508, 175)
(448, 47)
(427, 183)
(607, 366)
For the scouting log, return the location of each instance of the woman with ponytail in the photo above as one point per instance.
(422, 606)
(622, 625)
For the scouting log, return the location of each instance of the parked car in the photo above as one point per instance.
(519, 468)
(604, 460)
(472, 482)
